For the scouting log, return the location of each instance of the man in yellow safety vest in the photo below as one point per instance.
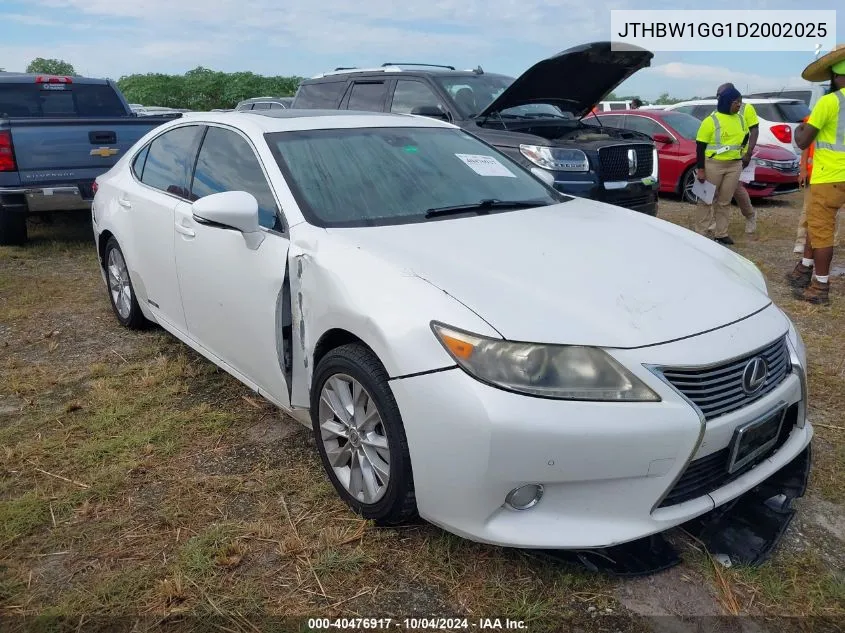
(752, 124)
(719, 160)
(825, 128)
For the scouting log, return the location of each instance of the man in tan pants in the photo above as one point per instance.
(719, 144)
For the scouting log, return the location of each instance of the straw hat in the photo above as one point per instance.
(819, 70)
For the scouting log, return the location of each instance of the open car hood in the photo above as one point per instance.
(574, 80)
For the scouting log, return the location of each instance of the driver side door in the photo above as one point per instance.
(231, 284)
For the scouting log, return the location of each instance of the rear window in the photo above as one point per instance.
(324, 95)
(789, 112)
(59, 100)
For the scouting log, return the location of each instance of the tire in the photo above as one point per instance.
(394, 503)
(12, 227)
(118, 284)
(685, 184)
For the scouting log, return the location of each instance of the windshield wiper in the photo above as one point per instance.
(485, 206)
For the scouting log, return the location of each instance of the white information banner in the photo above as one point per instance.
(712, 30)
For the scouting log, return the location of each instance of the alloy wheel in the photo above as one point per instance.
(121, 290)
(354, 438)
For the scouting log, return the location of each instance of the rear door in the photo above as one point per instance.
(161, 179)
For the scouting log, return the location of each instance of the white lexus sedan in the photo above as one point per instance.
(469, 346)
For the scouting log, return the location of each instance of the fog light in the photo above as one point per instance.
(524, 497)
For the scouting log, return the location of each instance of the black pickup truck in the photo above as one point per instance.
(535, 118)
(57, 134)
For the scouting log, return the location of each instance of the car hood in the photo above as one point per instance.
(574, 80)
(580, 272)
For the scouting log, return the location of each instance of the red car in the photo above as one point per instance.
(674, 133)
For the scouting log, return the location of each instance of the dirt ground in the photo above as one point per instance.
(137, 480)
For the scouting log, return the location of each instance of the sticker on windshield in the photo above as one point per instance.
(485, 165)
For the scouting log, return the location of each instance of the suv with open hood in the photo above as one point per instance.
(535, 118)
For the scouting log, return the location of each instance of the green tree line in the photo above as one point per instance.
(203, 88)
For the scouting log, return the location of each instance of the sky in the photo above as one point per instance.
(112, 38)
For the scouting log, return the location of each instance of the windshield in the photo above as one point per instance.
(380, 176)
(473, 93)
(685, 125)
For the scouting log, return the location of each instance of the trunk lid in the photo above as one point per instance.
(574, 80)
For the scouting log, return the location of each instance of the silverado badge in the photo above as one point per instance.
(105, 152)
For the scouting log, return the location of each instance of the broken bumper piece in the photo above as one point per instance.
(745, 531)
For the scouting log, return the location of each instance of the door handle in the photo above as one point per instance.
(184, 230)
(124, 203)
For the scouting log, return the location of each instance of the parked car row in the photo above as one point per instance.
(674, 132)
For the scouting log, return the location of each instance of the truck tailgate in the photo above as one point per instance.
(61, 150)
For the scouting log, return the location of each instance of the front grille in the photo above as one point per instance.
(717, 390)
(786, 166)
(615, 163)
(710, 473)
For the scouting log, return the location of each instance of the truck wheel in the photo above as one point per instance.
(360, 435)
(12, 227)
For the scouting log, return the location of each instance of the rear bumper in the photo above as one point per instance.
(54, 198)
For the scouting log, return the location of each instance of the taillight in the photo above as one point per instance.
(7, 154)
(42, 79)
(94, 187)
(783, 133)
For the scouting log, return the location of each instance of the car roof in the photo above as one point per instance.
(269, 121)
(342, 73)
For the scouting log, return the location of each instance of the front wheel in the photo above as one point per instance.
(360, 435)
(121, 291)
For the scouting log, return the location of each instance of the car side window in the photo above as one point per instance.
(644, 125)
(320, 95)
(276, 106)
(227, 162)
(612, 120)
(367, 96)
(687, 109)
(261, 106)
(170, 158)
(703, 111)
(411, 94)
(138, 163)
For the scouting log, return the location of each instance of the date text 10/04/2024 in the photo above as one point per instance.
(416, 624)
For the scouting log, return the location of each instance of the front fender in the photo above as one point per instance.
(336, 286)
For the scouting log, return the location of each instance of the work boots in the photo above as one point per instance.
(816, 292)
(800, 276)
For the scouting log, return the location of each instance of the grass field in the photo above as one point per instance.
(136, 479)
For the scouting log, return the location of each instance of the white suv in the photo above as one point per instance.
(778, 117)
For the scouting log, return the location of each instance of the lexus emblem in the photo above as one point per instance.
(754, 375)
(632, 162)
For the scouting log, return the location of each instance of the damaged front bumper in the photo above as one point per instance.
(606, 469)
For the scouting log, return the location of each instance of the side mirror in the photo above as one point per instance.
(663, 138)
(546, 176)
(430, 111)
(231, 209)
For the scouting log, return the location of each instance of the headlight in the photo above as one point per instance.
(556, 158)
(564, 372)
(796, 341)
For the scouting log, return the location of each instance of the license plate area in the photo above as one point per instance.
(755, 438)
